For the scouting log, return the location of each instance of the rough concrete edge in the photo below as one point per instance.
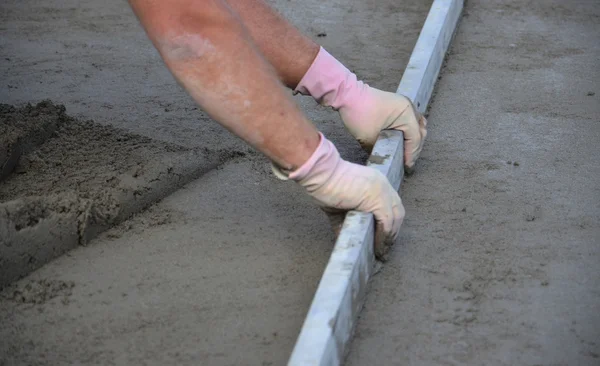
(170, 175)
(329, 325)
(16, 259)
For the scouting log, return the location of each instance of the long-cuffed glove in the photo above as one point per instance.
(365, 111)
(340, 185)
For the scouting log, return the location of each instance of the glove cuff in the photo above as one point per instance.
(323, 159)
(330, 83)
(319, 167)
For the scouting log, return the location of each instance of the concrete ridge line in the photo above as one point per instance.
(328, 328)
(68, 215)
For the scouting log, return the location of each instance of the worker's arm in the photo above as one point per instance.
(209, 52)
(309, 69)
(207, 48)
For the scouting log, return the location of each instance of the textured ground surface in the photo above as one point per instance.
(223, 271)
(68, 180)
(500, 256)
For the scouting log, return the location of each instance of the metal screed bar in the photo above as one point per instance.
(328, 328)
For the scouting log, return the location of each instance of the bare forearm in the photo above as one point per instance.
(210, 53)
(289, 51)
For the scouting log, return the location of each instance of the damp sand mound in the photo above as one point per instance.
(63, 181)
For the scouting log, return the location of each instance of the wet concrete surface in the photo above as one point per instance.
(499, 258)
(220, 273)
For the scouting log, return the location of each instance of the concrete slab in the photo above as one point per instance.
(190, 281)
(500, 262)
(220, 273)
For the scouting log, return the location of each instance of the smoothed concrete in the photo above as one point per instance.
(499, 258)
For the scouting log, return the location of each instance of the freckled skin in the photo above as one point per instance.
(212, 55)
(186, 47)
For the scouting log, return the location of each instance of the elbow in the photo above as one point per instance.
(183, 29)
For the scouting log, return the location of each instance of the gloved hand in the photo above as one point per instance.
(365, 111)
(340, 185)
(376, 110)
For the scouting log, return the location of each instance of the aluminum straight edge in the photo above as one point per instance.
(426, 60)
(328, 328)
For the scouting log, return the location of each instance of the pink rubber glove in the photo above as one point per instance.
(341, 185)
(365, 111)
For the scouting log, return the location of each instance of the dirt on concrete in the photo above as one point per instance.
(73, 179)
